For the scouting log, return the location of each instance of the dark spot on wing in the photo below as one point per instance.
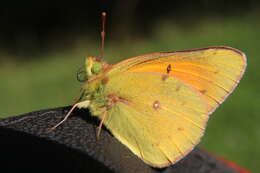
(157, 144)
(203, 91)
(169, 68)
(180, 128)
(178, 88)
(156, 104)
(164, 77)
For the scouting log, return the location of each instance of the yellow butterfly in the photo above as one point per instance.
(158, 104)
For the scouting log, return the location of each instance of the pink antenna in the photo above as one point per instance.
(103, 33)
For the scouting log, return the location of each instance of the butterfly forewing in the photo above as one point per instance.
(158, 123)
(214, 72)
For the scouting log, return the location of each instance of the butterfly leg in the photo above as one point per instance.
(79, 105)
(100, 125)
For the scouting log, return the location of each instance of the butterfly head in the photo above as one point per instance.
(93, 66)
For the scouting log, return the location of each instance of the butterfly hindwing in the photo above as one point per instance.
(156, 121)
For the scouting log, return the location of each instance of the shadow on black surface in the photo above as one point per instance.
(72, 147)
(24, 152)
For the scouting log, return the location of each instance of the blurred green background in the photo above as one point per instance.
(43, 46)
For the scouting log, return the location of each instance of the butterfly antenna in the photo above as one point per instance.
(103, 33)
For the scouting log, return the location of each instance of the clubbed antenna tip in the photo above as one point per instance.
(103, 20)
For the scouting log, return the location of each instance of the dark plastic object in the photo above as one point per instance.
(73, 147)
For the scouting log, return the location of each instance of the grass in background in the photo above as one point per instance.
(233, 130)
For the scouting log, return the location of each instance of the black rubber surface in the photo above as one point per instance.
(72, 147)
